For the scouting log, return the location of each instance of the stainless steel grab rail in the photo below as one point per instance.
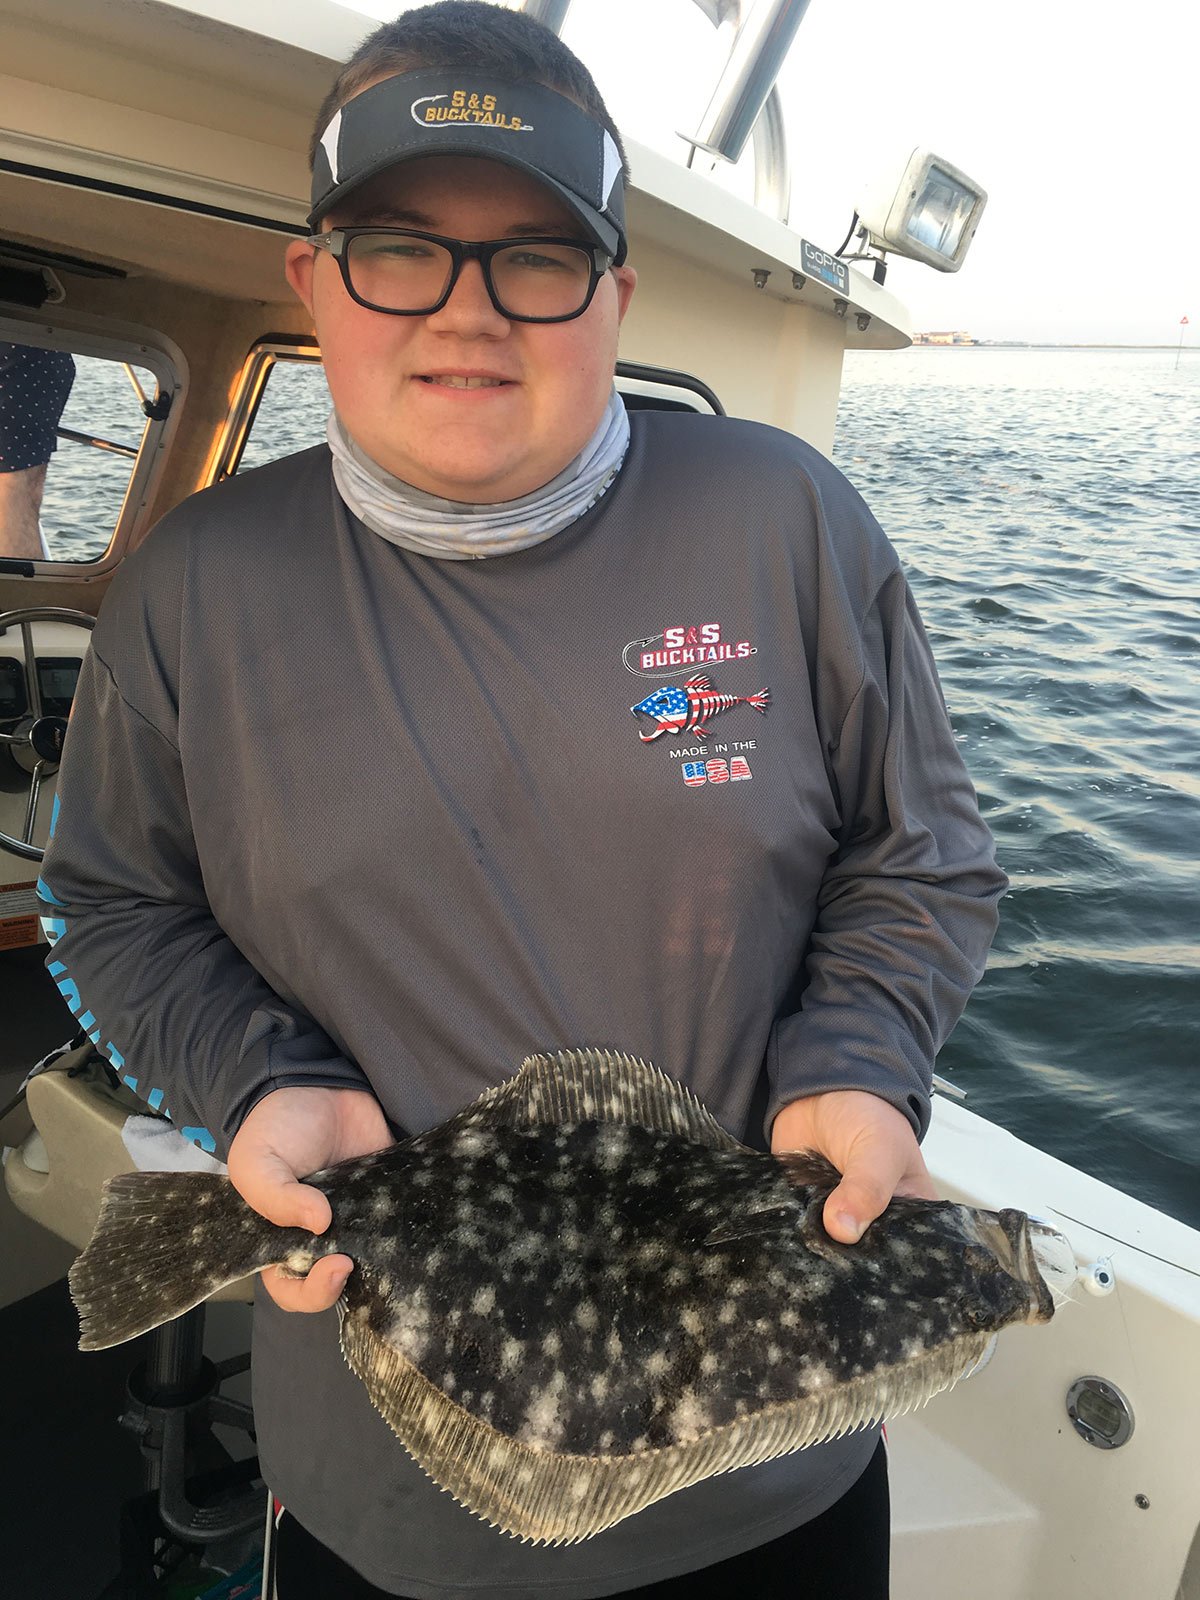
(745, 103)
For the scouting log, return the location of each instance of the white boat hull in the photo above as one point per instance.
(995, 1495)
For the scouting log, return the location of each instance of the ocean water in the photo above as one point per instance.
(86, 486)
(1046, 505)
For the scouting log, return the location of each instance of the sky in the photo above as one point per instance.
(1078, 117)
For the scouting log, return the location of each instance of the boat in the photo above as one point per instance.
(152, 166)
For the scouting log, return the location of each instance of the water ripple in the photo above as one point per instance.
(1043, 503)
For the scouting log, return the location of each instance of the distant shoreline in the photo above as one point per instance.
(1017, 344)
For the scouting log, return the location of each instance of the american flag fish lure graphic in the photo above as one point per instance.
(688, 710)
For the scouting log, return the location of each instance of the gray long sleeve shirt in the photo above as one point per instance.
(335, 813)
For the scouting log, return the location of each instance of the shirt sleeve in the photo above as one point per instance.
(907, 906)
(137, 953)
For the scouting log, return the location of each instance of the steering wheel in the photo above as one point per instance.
(37, 735)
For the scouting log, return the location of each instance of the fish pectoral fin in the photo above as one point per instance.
(773, 1219)
(805, 1169)
(592, 1085)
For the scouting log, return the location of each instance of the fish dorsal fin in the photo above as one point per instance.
(594, 1086)
(550, 1498)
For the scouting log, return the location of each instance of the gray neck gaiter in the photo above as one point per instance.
(457, 531)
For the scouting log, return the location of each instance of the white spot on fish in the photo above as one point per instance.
(483, 1301)
(543, 1426)
(612, 1146)
(690, 1417)
(411, 1342)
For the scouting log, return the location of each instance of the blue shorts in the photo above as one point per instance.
(34, 385)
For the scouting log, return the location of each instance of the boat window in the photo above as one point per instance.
(76, 418)
(280, 405)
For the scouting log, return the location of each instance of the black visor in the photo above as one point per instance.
(523, 125)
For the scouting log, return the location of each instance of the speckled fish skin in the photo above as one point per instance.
(564, 1285)
(565, 1317)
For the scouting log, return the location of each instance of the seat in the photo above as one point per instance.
(57, 1172)
(69, 1146)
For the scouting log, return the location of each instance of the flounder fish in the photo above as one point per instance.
(580, 1294)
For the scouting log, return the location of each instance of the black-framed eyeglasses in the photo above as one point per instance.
(404, 273)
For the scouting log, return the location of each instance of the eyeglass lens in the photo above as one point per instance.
(411, 274)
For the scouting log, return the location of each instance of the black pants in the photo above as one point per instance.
(841, 1555)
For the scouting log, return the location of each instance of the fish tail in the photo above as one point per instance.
(759, 701)
(165, 1241)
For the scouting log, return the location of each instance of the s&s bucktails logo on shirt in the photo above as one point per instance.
(685, 710)
(672, 651)
(479, 110)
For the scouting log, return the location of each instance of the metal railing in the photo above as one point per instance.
(745, 103)
(94, 439)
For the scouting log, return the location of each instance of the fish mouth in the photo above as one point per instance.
(656, 726)
(1054, 1255)
(1037, 1255)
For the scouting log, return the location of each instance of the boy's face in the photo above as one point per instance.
(484, 444)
